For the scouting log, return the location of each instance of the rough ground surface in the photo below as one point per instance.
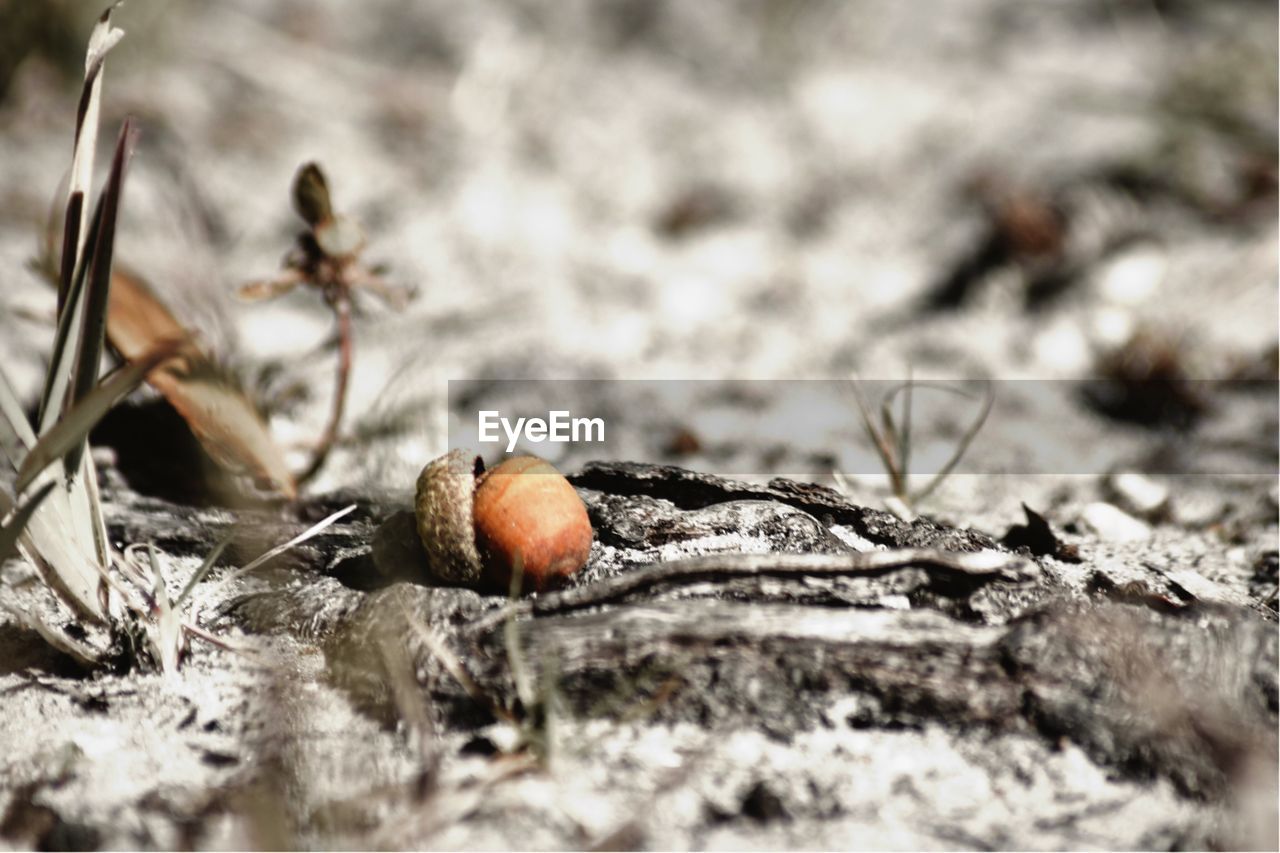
(722, 190)
(773, 692)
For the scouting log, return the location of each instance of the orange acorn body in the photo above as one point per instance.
(525, 512)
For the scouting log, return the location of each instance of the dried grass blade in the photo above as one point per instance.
(10, 532)
(280, 549)
(71, 230)
(89, 355)
(205, 567)
(73, 429)
(62, 549)
(16, 436)
(452, 665)
(62, 360)
(511, 640)
(220, 642)
(81, 653)
(75, 239)
(904, 440)
(168, 627)
(989, 400)
(883, 448)
(103, 38)
(889, 429)
(93, 503)
(159, 591)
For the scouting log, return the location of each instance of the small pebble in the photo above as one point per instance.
(1063, 349)
(1198, 509)
(1113, 524)
(1134, 277)
(1139, 494)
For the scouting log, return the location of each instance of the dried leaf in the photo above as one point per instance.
(137, 319)
(217, 410)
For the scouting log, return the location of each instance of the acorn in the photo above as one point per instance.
(477, 525)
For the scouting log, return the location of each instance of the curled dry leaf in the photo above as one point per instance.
(227, 424)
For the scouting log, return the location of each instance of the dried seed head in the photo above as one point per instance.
(444, 506)
(339, 237)
(311, 195)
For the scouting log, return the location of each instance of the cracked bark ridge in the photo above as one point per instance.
(694, 490)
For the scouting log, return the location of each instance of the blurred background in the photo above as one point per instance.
(764, 189)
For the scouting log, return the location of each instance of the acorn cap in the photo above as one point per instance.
(446, 496)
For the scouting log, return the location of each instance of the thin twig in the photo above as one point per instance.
(981, 565)
(219, 642)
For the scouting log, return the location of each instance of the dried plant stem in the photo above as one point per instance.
(885, 450)
(893, 443)
(326, 257)
(975, 426)
(342, 312)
